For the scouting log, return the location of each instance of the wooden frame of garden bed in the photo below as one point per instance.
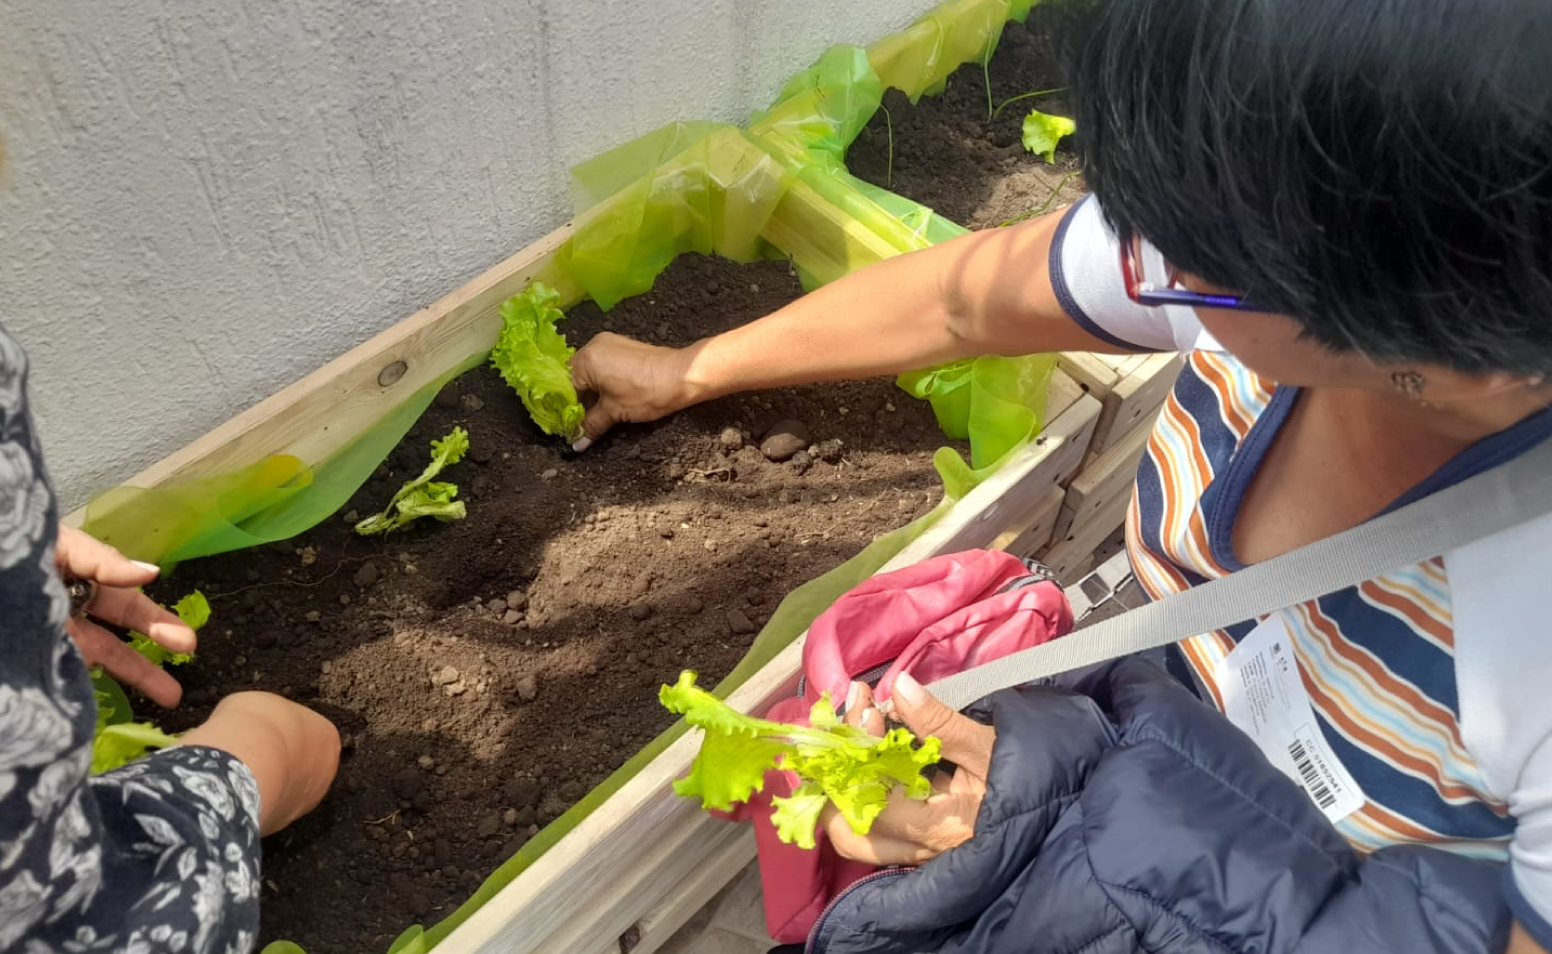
(647, 859)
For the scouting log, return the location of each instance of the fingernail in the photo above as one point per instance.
(581, 444)
(852, 695)
(867, 716)
(148, 567)
(909, 689)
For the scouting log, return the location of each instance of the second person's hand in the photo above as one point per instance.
(117, 600)
(911, 832)
(624, 380)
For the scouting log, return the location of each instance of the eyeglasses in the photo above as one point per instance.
(1163, 287)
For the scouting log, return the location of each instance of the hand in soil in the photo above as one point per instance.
(292, 751)
(117, 600)
(911, 832)
(623, 380)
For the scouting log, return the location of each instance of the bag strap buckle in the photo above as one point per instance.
(1101, 586)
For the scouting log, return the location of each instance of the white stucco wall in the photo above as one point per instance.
(206, 199)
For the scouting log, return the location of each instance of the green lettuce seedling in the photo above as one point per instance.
(1042, 131)
(424, 497)
(836, 763)
(535, 360)
(118, 740)
(194, 610)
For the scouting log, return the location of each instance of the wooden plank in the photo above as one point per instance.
(1137, 394)
(646, 845)
(324, 411)
(1095, 373)
(821, 238)
(1036, 534)
(715, 873)
(1070, 553)
(1103, 476)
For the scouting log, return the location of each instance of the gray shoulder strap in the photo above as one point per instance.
(1472, 510)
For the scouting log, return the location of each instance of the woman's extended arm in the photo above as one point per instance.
(985, 293)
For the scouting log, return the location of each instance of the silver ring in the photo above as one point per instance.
(82, 592)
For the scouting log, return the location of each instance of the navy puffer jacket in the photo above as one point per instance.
(1122, 814)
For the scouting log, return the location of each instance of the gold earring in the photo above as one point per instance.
(1409, 383)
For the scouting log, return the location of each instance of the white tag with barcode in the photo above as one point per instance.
(1264, 695)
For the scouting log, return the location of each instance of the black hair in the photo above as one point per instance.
(1379, 170)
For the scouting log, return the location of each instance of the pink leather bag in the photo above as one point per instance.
(931, 619)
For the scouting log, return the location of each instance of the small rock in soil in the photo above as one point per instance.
(517, 600)
(739, 623)
(351, 516)
(801, 462)
(667, 533)
(550, 474)
(407, 783)
(730, 439)
(784, 439)
(693, 606)
(512, 617)
(509, 817)
(471, 403)
(426, 762)
(640, 611)
(498, 607)
(489, 825)
(828, 451)
(308, 555)
(368, 574)
(444, 676)
(313, 616)
(456, 689)
(527, 688)
(522, 790)
(480, 453)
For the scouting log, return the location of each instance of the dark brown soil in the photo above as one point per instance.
(487, 673)
(950, 157)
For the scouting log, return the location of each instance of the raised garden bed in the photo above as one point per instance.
(472, 723)
(488, 673)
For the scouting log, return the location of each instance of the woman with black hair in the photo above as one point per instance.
(1342, 210)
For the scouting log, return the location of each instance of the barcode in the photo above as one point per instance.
(1313, 783)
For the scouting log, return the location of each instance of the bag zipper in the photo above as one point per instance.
(812, 947)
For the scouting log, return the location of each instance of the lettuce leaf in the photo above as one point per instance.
(536, 360)
(194, 610)
(837, 763)
(118, 739)
(123, 742)
(1042, 131)
(423, 496)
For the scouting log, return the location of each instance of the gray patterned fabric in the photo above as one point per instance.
(161, 855)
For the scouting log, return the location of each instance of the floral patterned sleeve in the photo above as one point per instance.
(161, 855)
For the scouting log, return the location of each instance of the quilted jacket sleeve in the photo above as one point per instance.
(1123, 815)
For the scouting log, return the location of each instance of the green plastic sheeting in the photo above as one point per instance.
(692, 187)
(275, 499)
(918, 60)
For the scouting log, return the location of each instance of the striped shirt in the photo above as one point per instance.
(1429, 683)
(1377, 659)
